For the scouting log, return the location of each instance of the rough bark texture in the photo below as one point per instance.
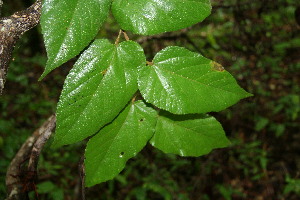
(11, 28)
(20, 181)
(39, 144)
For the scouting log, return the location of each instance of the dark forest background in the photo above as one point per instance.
(258, 41)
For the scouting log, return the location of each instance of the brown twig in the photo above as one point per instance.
(81, 170)
(19, 182)
(40, 142)
(11, 29)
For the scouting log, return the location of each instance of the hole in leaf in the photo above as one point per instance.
(141, 120)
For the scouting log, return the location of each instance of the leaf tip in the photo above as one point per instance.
(47, 70)
(92, 179)
(55, 145)
(42, 76)
(51, 65)
(227, 143)
(247, 94)
(88, 183)
(57, 142)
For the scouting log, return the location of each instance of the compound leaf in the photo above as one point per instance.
(188, 135)
(108, 151)
(148, 17)
(184, 82)
(68, 26)
(101, 83)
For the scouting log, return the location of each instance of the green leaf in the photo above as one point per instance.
(188, 135)
(107, 152)
(183, 82)
(99, 86)
(68, 26)
(148, 17)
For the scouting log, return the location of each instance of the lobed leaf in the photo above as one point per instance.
(148, 17)
(101, 83)
(108, 151)
(68, 26)
(184, 82)
(188, 135)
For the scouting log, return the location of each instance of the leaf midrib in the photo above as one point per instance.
(156, 68)
(85, 107)
(65, 32)
(118, 128)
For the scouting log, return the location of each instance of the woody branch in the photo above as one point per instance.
(11, 29)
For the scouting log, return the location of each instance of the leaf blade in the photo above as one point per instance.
(192, 135)
(69, 26)
(148, 17)
(98, 87)
(108, 151)
(184, 82)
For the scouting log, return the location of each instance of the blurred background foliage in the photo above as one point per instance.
(258, 41)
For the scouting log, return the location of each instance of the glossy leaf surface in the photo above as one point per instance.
(101, 83)
(68, 26)
(188, 135)
(107, 152)
(184, 82)
(149, 17)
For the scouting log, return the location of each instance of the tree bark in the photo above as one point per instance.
(11, 29)
(20, 181)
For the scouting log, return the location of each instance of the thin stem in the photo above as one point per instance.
(125, 35)
(118, 38)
